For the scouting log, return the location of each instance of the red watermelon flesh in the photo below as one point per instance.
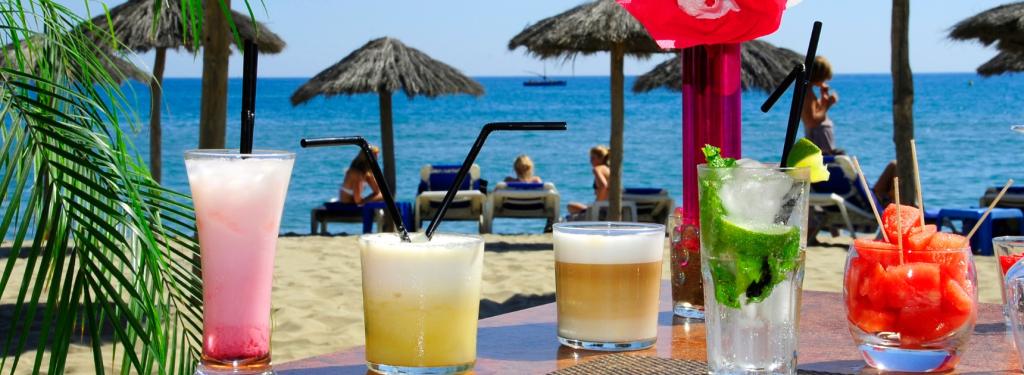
(1007, 261)
(947, 241)
(908, 218)
(918, 237)
(914, 285)
(877, 251)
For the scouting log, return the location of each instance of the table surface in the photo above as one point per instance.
(523, 342)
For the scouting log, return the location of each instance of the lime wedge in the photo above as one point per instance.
(749, 259)
(805, 154)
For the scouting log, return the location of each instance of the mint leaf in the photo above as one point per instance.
(714, 156)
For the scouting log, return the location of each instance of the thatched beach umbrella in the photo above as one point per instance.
(383, 66)
(598, 26)
(117, 67)
(1004, 62)
(133, 26)
(762, 67)
(1002, 25)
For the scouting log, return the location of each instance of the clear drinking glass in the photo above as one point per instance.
(421, 302)
(753, 224)
(1008, 250)
(607, 281)
(238, 201)
(687, 283)
(913, 313)
(1014, 307)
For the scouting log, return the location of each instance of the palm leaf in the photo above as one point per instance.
(107, 250)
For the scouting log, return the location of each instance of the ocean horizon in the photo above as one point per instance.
(961, 124)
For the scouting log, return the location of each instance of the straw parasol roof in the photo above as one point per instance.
(116, 66)
(762, 67)
(1002, 25)
(387, 65)
(589, 28)
(383, 66)
(596, 26)
(1004, 62)
(133, 26)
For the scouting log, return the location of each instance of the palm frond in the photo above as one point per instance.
(107, 251)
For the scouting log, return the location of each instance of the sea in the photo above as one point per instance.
(962, 126)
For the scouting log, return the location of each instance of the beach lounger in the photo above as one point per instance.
(840, 202)
(434, 183)
(522, 200)
(336, 212)
(653, 205)
(1014, 197)
(598, 211)
(1001, 221)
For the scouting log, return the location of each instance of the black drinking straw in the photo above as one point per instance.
(799, 92)
(385, 190)
(487, 129)
(249, 55)
(798, 69)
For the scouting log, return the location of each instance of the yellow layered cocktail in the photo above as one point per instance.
(421, 302)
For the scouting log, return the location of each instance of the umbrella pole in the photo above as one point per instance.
(213, 106)
(155, 99)
(615, 180)
(711, 115)
(387, 139)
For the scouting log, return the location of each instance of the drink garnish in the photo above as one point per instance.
(806, 154)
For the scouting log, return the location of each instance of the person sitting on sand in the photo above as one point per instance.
(357, 176)
(818, 126)
(524, 170)
(599, 158)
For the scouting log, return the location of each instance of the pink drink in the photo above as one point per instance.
(238, 205)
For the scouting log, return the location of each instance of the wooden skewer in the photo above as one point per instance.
(870, 196)
(917, 179)
(899, 221)
(990, 207)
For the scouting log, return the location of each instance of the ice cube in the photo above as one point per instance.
(754, 194)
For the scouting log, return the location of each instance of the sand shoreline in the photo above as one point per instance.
(317, 295)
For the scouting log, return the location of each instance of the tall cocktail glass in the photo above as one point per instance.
(687, 282)
(238, 202)
(421, 301)
(607, 280)
(753, 223)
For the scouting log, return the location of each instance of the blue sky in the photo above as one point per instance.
(472, 35)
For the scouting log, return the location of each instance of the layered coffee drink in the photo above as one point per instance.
(607, 279)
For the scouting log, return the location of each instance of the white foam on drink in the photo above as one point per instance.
(608, 248)
(447, 264)
(235, 176)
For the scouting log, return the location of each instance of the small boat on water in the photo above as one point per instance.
(544, 81)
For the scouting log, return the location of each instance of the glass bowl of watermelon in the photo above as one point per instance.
(1008, 250)
(911, 302)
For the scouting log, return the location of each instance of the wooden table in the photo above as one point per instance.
(523, 342)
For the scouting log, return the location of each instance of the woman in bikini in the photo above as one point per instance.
(599, 163)
(358, 176)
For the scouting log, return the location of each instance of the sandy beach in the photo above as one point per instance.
(317, 298)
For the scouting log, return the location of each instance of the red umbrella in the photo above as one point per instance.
(687, 23)
(708, 32)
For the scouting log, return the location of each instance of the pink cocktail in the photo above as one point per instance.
(238, 201)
